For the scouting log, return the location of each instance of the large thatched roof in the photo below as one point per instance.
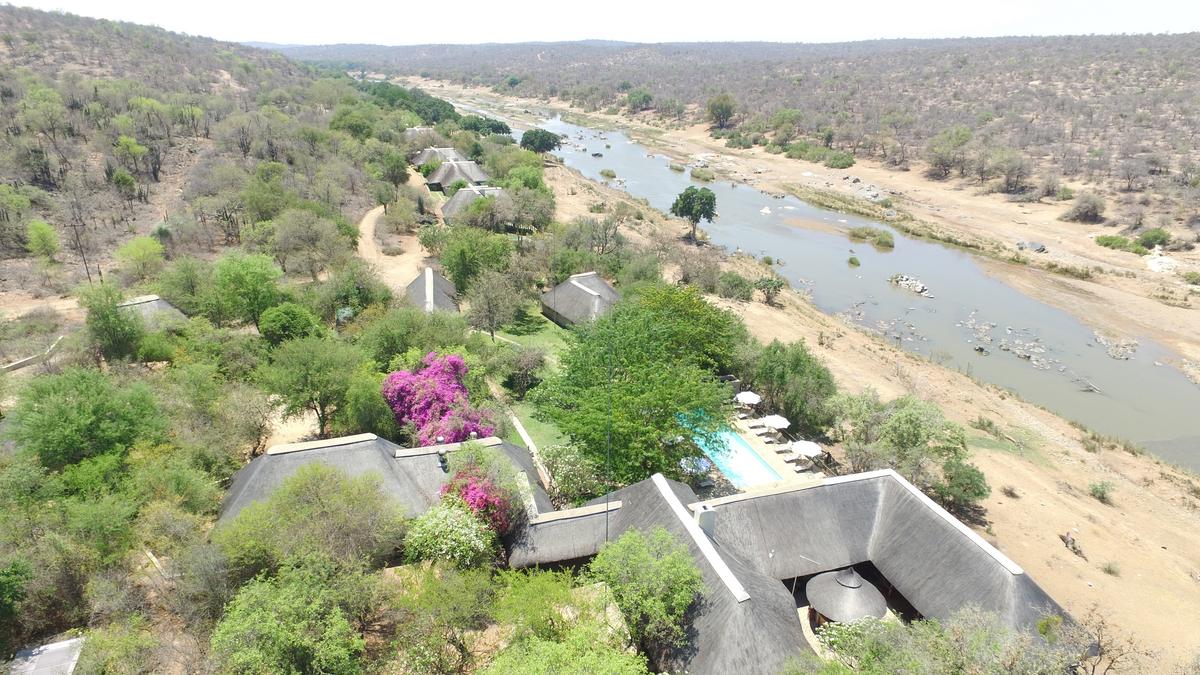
(449, 172)
(579, 299)
(765, 538)
(465, 196)
(412, 476)
(431, 292)
(440, 154)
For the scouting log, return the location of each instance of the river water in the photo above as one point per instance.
(1040, 352)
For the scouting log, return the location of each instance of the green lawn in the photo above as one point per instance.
(531, 329)
(542, 433)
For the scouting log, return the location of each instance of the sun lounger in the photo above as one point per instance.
(803, 466)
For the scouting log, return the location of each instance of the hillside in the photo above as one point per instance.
(1114, 113)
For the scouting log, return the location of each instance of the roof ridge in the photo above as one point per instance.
(702, 541)
(284, 448)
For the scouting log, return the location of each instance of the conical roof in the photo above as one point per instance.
(843, 596)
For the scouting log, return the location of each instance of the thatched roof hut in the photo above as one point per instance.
(412, 476)
(450, 172)
(581, 298)
(439, 154)
(155, 312)
(844, 596)
(432, 292)
(457, 204)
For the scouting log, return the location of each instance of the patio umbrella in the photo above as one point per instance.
(807, 449)
(748, 398)
(776, 422)
(844, 596)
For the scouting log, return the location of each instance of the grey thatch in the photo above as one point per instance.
(844, 596)
(439, 154)
(432, 292)
(766, 538)
(580, 298)
(412, 477)
(156, 313)
(450, 172)
(57, 658)
(465, 197)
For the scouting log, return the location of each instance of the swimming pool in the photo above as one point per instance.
(740, 463)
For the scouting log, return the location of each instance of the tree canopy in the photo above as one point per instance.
(540, 140)
(695, 204)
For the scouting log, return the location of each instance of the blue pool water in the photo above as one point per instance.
(740, 463)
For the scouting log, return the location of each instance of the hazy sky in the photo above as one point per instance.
(470, 21)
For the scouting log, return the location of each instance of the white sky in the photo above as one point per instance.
(474, 21)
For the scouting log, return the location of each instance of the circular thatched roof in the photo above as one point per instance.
(843, 596)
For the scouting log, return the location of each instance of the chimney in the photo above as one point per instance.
(706, 518)
(442, 460)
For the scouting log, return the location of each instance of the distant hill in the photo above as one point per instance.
(1121, 112)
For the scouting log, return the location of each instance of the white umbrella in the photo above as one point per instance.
(748, 398)
(807, 449)
(776, 422)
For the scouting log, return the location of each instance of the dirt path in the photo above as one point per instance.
(395, 270)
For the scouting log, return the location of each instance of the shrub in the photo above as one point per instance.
(1154, 237)
(126, 646)
(878, 237)
(521, 367)
(1192, 278)
(156, 348)
(770, 286)
(703, 175)
(839, 160)
(1111, 568)
(1064, 193)
(678, 168)
(608, 173)
(483, 496)
(653, 580)
(735, 287)
(962, 485)
(434, 400)
(1102, 491)
(287, 321)
(449, 532)
(141, 257)
(576, 477)
(853, 261)
(114, 331)
(41, 239)
(1088, 208)
(586, 648)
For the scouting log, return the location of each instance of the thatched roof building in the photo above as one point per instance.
(437, 154)
(457, 204)
(155, 312)
(844, 596)
(450, 172)
(580, 298)
(58, 658)
(432, 292)
(750, 544)
(411, 476)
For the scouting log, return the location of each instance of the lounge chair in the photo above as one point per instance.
(804, 465)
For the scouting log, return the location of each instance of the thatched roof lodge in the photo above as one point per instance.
(432, 292)
(449, 172)
(581, 298)
(155, 311)
(757, 553)
(411, 476)
(457, 204)
(437, 154)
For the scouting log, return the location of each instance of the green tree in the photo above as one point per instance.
(695, 204)
(654, 581)
(307, 242)
(124, 646)
(244, 284)
(638, 100)
(365, 409)
(393, 168)
(318, 509)
(770, 287)
(540, 141)
(586, 648)
(721, 110)
(41, 239)
(80, 413)
(13, 579)
(293, 623)
(442, 614)
(287, 321)
(947, 151)
(129, 153)
(141, 257)
(793, 381)
(450, 533)
(1088, 208)
(311, 374)
(469, 251)
(115, 331)
(492, 302)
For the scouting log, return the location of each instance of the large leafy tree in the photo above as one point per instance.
(721, 109)
(116, 333)
(469, 251)
(643, 377)
(82, 413)
(244, 285)
(695, 204)
(312, 374)
(794, 382)
(493, 302)
(653, 580)
(540, 140)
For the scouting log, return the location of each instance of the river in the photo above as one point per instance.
(1040, 352)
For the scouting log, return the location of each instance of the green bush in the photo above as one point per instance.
(879, 237)
(1154, 237)
(287, 321)
(839, 160)
(853, 261)
(1120, 243)
(1192, 278)
(449, 532)
(1102, 491)
(608, 173)
(1088, 208)
(735, 287)
(156, 347)
(126, 646)
(115, 332)
(678, 168)
(654, 581)
(704, 175)
(41, 239)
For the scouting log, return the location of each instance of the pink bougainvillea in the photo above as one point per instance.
(434, 400)
(488, 501)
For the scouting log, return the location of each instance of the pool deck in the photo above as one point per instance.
(772, 458)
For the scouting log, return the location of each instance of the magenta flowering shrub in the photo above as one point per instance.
(434, 400)
(488, 501)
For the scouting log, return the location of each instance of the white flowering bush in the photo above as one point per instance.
(449, 532)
